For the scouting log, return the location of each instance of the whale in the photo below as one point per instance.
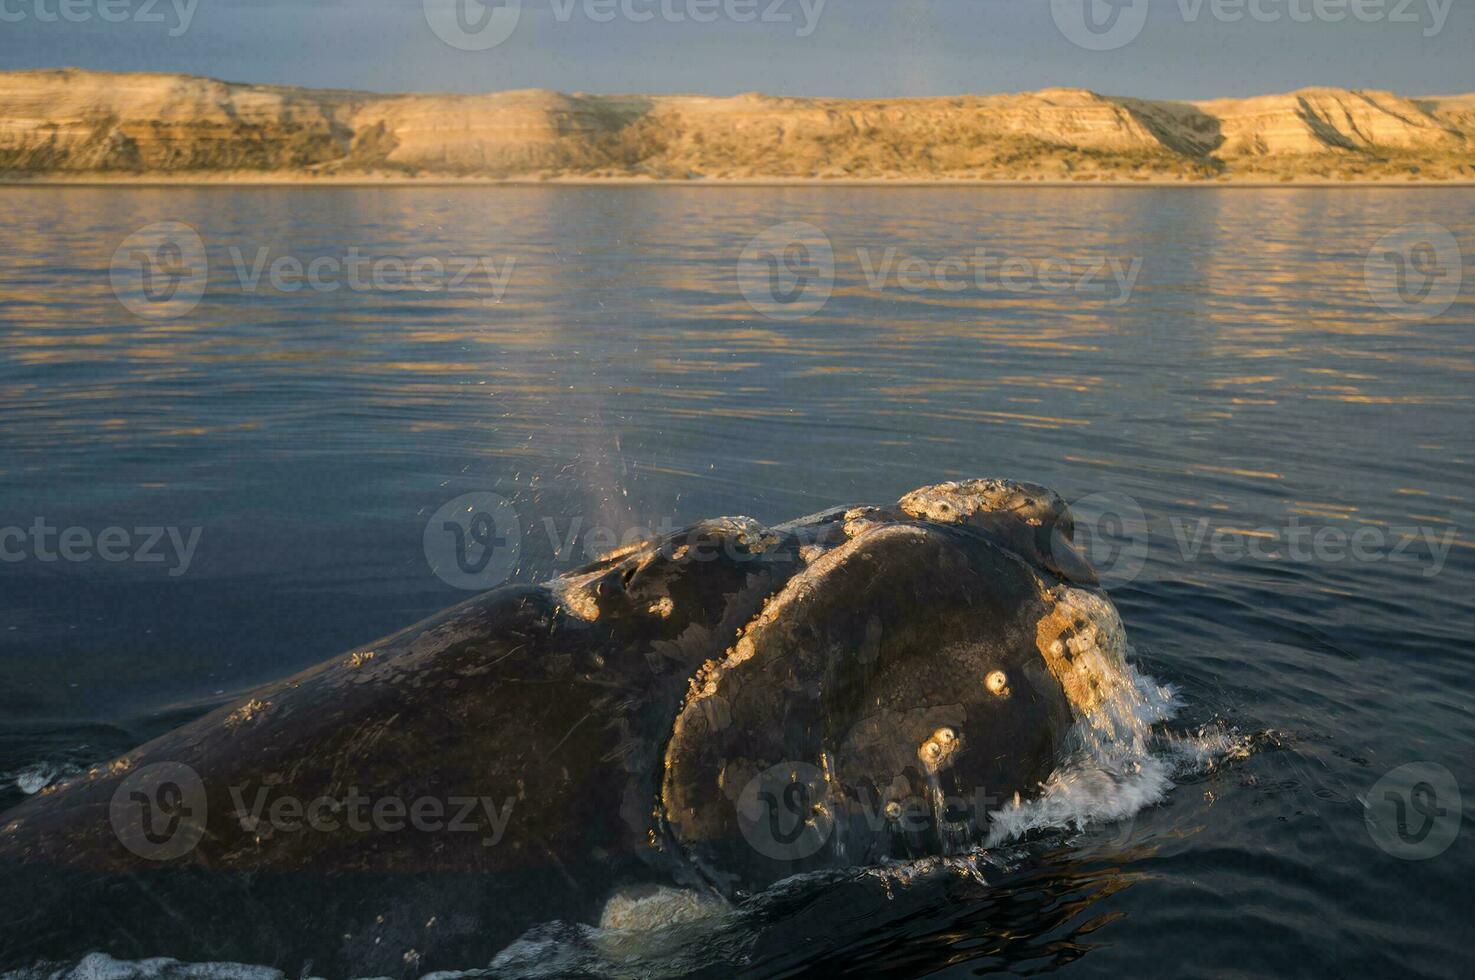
(661, 733)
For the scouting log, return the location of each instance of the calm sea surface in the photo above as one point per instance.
(1270, 445)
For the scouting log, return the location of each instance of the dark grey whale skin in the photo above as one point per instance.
(580, 701)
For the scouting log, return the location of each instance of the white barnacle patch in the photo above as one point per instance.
(656, 907)
(997, 683)
(623, 551)
(578, 600)
(251, 709)
(859, 520)
(1084, 644)
(938, 752)
(758, 541)
(955, 502)
(741, 651)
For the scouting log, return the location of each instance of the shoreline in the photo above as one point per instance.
(233, 180)
(73, 127)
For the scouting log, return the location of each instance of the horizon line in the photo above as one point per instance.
(578, 93)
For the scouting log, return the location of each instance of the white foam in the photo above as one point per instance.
(1119, 764)
(558, 949)
(101, 966)
(32, 779)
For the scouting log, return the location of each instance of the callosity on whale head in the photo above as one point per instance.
(925, 667)
(716, 709)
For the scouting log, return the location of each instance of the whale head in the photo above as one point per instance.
(923, 668)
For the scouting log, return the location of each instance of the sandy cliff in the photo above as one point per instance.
(74, 123)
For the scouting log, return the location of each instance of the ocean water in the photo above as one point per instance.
(1258, 402)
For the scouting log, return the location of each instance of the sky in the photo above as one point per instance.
(1186, 49)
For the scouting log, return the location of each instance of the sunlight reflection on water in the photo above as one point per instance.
(1247, 378)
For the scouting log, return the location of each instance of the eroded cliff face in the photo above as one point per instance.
(71, 122)
(89, 121)
(1318, 120)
